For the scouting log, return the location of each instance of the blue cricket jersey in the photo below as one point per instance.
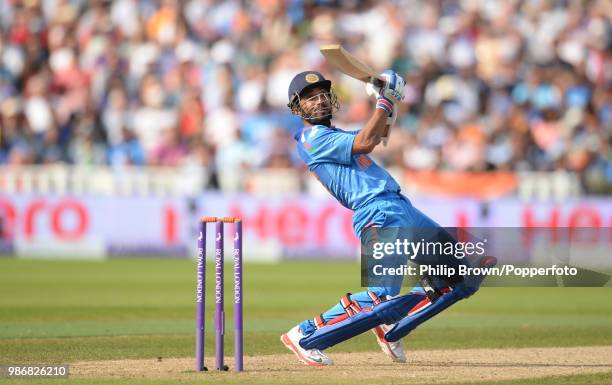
(355, 180)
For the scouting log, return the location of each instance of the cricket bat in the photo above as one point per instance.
(349, 65)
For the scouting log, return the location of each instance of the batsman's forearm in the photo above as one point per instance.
(371, 134)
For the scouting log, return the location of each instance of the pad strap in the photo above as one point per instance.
(432, 292)
(350, 307)
(375, 299)
(318, 321)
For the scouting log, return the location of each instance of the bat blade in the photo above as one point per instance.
(349, 64)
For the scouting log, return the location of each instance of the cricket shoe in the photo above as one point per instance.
(312, 357)
(395, 350)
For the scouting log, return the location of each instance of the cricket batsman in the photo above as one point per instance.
(339, 160)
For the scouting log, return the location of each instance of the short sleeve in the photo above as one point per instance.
(325, 145)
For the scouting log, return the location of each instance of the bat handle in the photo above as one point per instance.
(377, 82)
(385, 137)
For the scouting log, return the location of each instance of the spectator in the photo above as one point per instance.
(171, 151)
(513, 85)
(127, 151)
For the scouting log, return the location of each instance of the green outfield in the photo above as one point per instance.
(70, 311)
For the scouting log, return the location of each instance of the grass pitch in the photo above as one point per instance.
(70, 311)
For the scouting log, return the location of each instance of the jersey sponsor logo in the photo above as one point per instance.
(363, 162)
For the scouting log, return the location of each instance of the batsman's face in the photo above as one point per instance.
(316, 103)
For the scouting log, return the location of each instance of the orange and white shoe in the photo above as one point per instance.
(395, 350)
(312, 357)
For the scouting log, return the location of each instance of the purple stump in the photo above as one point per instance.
(238, 341)
(219, 314)
(200, 295)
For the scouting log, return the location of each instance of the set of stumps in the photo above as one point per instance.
(219, 292)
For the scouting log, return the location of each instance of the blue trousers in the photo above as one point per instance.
(387, 213)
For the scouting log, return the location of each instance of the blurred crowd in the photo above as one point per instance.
(492, 85)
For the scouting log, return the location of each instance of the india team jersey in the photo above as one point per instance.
(353, 179)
